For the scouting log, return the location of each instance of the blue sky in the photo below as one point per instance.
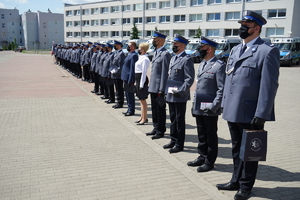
(56, 6)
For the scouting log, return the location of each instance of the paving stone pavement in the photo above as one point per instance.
(59, 141)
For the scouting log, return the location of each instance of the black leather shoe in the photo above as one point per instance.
(197, 162)
(169, 145)
(104, 97)
(93, 91)
(99, 93)
(124, 113)
(241, 194)
(151, 133)
(109, 101)
(157, 136)
(227, 186)
(142, 123)
(117, 106)
(129, 114)
(176, 149)
(205, 168)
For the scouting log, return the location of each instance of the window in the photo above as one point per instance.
(213, 16)
(69, 13)
(76, 34)
(126, 20)
(233, 16)
(192, 33)
(276, 13)
(115, 34)
(179, 18)
(3, 34)
(275, 32)
(3, 25)
(149, 33)
(55, 21)
(231, 32)
(94, 11)
(138, 6)
(164, 4)
(85, 11)
(138, 20)
(213, 1)
(21, 41)
(164, 19)
(104, 10)
(126, 8)
(233, 1)
(76, 23)
(114, 21)
(180, 3)
(20, 32)
(126, 33)
(150, 6)
(104, 22)
(196, 2)
(44, 25)
(95, 34)
(95, 22)
(115, 9)
(86, 34)
(2, 16)
(45, 35)
(165, 32)
(195, 17)
(180, 32)
(68, 23)
(212, 32)
(85, 23)
(104, 33)
(76, 12)
(151, 19)
(12, 23)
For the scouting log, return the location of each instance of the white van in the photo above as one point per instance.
(289, 50)
(224, 47)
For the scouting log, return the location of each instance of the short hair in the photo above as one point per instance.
(144, 46)
(133, 44)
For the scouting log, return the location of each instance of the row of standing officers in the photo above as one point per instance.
(243, 90)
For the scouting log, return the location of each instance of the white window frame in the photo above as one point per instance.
(94, 22)
(216, 32)
(115, 33)
(114, 21)
(86, 34)
(95, 33)
(127, 20)
(180, 18)
(104, 20)
(76, 12)
(152, 19)
(104, 10)
(179, 3)
(164, 4)
(86, 11)
(94, 11)
(277, 11)
(231, 32)
(197, 16)
(115, 9)
(126, 8)
(211, 2)
(86, 23)
(276, 31)
(68, 13)
(165, 19)
(137, 6)
(196, 2)
(234, 15)
(151, 6)
(76, 34)
(140, 20)
(104, 34)
(126, 33)
(214, 17)
(233, 1)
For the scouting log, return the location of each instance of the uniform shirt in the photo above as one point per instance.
(141, 66)
(249, 44)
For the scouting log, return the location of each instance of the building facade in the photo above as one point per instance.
(11, 27)
(41, 29)
(114, 19)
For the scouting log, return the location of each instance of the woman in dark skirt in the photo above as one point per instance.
(141, 81)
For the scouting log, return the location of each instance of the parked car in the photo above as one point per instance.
(20, 49)
(1, 48)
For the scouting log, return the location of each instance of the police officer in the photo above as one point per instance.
(249, 92)
(157, 85)
(181, 78)
(106, 74)
(99, 61)
(115, 70)
(207, 104)
(96, 47)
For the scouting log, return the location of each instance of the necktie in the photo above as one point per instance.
(204, 64)
(243, 49)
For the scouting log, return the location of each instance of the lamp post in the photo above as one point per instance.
(80, 24)
(121, 21)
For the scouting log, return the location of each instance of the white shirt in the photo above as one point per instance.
(249, 44)
(141, 66)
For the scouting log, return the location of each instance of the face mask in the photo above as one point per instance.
(97, 48)
(243, 32)
(128, 49)
(154, 43)
(115, 48)
(203, 53)
(106, 50)
(175, 49)
(139, 52)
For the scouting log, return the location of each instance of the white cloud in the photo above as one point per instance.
(2, 5)
(21, 1)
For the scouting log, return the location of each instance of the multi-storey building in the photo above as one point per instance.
(11, 27)
(41, 29)
(113, 19)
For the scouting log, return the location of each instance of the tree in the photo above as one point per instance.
(198, 33)
(156, 29)
(134, 33)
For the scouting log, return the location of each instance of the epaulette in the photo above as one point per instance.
(269, 44)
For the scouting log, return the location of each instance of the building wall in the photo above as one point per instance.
(280, 26)
(41, 29)
(10, 27)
